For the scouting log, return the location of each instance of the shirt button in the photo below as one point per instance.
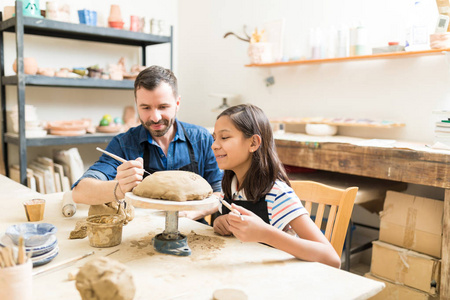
(162, 155)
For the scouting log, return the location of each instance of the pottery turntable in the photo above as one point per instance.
(171, 241)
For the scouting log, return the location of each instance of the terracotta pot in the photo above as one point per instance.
(115, 14)
(8, 12)
(30, 65)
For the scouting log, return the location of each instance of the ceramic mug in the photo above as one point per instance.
(134, 23)
(16, 283)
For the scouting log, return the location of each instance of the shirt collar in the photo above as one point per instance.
(235, 194)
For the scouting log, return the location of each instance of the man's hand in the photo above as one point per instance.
(129, 175)
(222, 225)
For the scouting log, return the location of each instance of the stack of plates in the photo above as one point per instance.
(40, 255)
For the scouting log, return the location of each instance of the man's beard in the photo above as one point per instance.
(158, 133)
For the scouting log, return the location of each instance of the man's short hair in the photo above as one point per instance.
(153, 76)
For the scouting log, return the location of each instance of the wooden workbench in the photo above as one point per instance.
(410, 163)
(216, 262)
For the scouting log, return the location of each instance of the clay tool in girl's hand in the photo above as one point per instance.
(227, 205)
(116, 157)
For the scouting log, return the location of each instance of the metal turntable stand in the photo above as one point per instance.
(171, 241)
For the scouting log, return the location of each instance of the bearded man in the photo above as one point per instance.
(161, 142)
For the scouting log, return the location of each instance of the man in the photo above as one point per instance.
(161, 142)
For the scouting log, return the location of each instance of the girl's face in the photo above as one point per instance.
(232, 150)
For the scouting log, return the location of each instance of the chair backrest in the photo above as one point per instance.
(339, 201)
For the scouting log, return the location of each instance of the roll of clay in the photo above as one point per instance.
(69, 207)
(105, 279)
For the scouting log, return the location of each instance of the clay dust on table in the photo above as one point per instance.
(202, 247)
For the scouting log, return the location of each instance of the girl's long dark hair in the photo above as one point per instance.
(266, 167)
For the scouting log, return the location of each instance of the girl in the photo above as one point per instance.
(255, 179)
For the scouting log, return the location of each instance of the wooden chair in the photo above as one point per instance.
(340, 202)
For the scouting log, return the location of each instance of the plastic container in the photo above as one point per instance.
(104, 230)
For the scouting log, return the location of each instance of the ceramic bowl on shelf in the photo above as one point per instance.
(320, 129)
(116, 24)
(33, 234)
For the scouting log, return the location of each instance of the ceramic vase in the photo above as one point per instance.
(30, 65)
(260, 53)
(114, 14)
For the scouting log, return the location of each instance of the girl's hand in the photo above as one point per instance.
(129, 175)
(248, 227)
(222, 226)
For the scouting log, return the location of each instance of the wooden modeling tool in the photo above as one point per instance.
(227, 205)
(116, 157)
(65, 262)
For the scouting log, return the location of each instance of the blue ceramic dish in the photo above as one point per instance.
(51, 244)
(46, 258)
(33, 234)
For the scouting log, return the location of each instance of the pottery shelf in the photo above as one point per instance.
(23, 25)
(55, 140)
(39, 80)
(51, 28)
(391, 55)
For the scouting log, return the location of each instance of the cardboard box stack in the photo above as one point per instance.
(407, 256)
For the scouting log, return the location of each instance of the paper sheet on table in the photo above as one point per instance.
(440, 146)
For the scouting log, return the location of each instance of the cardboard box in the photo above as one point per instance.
(412, 222)
(394, 291)
(406, 267)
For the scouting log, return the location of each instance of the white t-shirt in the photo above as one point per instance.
(283, 204)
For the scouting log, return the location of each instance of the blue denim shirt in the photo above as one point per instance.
(130, 145)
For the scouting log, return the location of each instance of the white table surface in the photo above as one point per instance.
(216, 262)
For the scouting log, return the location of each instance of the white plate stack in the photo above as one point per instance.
(40, 254)
(442, 130)
(33, 126)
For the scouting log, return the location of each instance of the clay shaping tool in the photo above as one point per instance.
(227, 205)
(65, 262)
(116, 157)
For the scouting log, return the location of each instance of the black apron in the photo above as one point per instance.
(259, 208)
(191, 167)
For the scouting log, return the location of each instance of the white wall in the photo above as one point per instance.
(404, 90)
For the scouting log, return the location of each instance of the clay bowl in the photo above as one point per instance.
(33, 234)
(109, 129)
(30, 65)
(105, 230)
(116, 24)
(94, 73)
(68, 125)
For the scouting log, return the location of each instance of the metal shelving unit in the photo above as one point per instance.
(21, 25)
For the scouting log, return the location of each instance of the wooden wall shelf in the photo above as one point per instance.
(352, 58)
(355, 123)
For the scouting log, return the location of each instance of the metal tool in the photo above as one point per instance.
(117, 157)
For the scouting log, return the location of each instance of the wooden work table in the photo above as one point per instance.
(216, 262)
(400, 161)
